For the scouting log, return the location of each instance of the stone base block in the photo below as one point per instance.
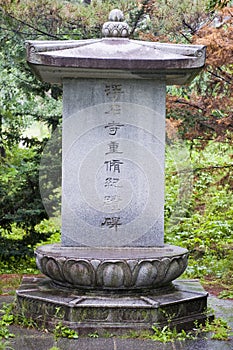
(180, 305)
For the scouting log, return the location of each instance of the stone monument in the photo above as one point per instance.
(112, 270)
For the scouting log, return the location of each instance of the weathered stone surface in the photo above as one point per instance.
(114, 58)
(115, 27)
(111, 268)
(86, 312)
(31, 339)
(113, 163)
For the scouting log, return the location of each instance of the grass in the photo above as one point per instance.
(9, 283)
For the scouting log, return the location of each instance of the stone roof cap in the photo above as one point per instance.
(114, 56)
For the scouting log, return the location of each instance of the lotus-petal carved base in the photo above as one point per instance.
(121, 268)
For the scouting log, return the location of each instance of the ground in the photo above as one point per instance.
(10, 282)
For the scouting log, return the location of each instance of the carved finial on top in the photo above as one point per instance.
(116, 27)
(116, 16)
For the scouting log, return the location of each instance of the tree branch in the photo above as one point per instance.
(224, 72)
(195, 170)
(30, 26)
(218, 76)
(139, 15)
(193, 31)
(186, 38)
(189, 104)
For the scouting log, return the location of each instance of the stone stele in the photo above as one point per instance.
(112, 265)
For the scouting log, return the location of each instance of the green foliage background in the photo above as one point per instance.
(199, 203)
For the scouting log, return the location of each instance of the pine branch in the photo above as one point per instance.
(30, 26)
(225, 73)
(218, 76)
(189, 104)
(192, 30)
(186, 38)
(139, 15)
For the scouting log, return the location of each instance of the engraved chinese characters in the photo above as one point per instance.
(113, 160)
